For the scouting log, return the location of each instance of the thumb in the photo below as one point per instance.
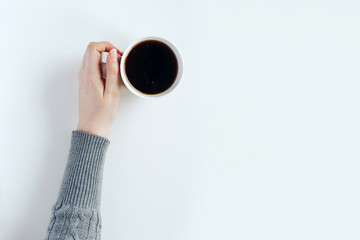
(112, 82)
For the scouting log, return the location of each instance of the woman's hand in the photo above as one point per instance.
(98, 99)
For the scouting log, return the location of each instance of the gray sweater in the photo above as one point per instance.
(76, 213)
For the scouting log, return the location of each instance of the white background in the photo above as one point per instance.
(261, 140)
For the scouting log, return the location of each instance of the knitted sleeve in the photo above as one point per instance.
(76, 213)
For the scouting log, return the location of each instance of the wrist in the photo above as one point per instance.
(100, 131)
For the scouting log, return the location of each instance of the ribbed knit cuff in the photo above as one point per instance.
(82, 180)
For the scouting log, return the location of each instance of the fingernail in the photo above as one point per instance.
(113, 54)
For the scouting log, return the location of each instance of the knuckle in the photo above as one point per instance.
(106, 43)
(91, 45)
(113, 94)
(113, 69)
(113, 75)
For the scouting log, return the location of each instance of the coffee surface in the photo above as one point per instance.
(151, 67)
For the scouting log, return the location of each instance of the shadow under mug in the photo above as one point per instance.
(123, 72)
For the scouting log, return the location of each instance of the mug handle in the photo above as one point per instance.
(103, 63)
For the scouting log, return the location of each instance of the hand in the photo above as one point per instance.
(98, 99)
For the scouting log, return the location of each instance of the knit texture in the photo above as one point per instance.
(76, 214)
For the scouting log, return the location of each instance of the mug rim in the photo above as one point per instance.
(128, 83)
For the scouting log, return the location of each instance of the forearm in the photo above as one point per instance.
(76, 212)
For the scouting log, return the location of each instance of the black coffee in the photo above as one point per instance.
(151, 67)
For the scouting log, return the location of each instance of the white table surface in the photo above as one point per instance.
(261, 140)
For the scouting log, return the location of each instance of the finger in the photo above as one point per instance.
(93, 55)
(112, 82)
(100, 47)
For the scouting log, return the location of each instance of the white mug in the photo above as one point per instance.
(123, 72)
